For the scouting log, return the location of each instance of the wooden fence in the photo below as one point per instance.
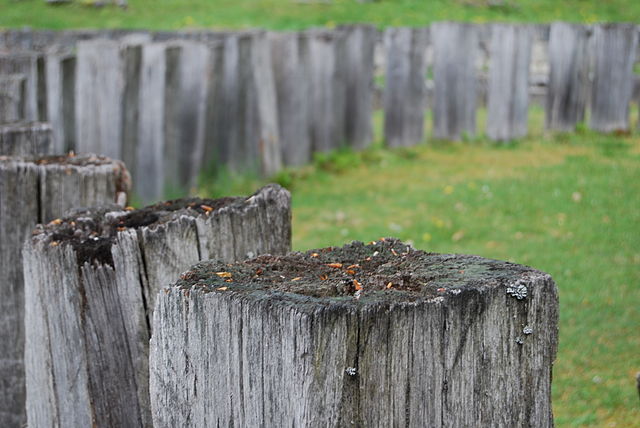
(173, 103)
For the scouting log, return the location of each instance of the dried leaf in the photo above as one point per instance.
(298, 278)
(224, 274)
(441, 290)
(394, 252)
(55, 222)
(335, 265)
(54, 244)
(207, 208)
(314, 255)
(389, 285)
(351, 271)
(228, 280)
(323, 277)
(259, 271)
(353, 266)
(222, 288)
(357, 285)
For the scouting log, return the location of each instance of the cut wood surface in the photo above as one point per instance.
(371, 335)
(35, 190)
(92, 279)
(22, 139)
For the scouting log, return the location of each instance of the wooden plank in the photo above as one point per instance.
(60, 65)
(474, 347)
(25, 63)
(292, 92)
(25, 139)
(36, 190)
(357, 64)
(508, 95)
(615, 53)
(455, 77)
(12, 98)
(109, 266)
(569, 85)
(405, 90)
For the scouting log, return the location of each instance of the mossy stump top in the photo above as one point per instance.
(363, 335)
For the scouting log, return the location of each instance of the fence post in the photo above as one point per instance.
(456, 50)
(91, 283)
(22, 139)
(404, 89)
(508, 94)
(60, 66)
(615, 54)
(35, 190)
(333, 339)
(28, 64)
(12, 98)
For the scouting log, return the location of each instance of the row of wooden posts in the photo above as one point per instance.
(105, 320)
(171, 104)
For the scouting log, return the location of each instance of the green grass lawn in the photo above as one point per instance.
(565, 204)
(297, 14)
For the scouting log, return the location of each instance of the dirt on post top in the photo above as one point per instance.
(92, 231)
(70, 159)
(382, 271)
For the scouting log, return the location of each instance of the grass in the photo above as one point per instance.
(292, 14)
(567, 204)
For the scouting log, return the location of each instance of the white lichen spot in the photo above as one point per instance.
(357, 294)
(351, 371)
(519, 340)
(527, 330)
(517, 290)
(455, 291)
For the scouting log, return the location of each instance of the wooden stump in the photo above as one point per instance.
(615, 53)
(23, 139)
(291, 76)
(568, 86)
(455, 52)
(36, 190)
(12, 98)
(371, 335)
(508, 95)
(357, 64)
(91, 281)
(405, 90)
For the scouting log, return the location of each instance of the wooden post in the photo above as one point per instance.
(456, 47)
(405, 90)
(28, 64)
(357, 64)
(92, 280)
(615, 53)
(364, 335)
(36, 190)
(23, 139)
(12, 98)
(60, 65)
(327, 100)
(568, 86)
(508, 95)
(292, 92)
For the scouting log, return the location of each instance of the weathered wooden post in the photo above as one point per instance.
(508, 95)
(30, 65)
(568, 86)
(60, 66)
(405, 90)
(357, 64)
(22, 139)
(12, 98)
(91, 281)
(456, 47)
(35, 190)
(615, 53)
(292, 92)
(327, 100)
(371, 335)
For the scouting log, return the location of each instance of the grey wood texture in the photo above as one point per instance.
(98, 98)
(60, 66)
(508, 94)
(26, 63)
(568, 86)
(12, 98)
(456, 50)
(186, 89)
(614, 55)
(87, 323)
(293, 91)
(132, 70)
(25, 139)
(221, 357)
(405, 90)
(357, 63)
(36, 190)
(327, 101)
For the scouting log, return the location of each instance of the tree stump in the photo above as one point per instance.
(35, 190)
(405, 90)
(12, 98)
(508, 94)
(363, 335)
(568, 86)
(455, 75)
(91, 281)
(615, 54)
(25, 139)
